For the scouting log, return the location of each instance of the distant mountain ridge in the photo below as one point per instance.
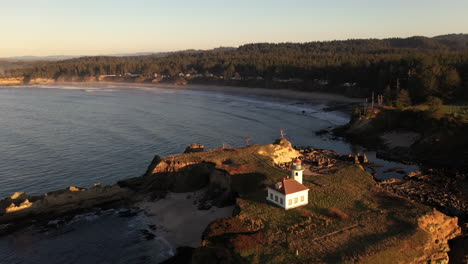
(449, 42)
(452, 42)
(67, 57)
(436, 66)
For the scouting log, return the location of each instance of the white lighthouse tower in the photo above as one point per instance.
(297, 170)
(289, 193)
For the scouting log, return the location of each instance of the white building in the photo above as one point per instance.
(289, 193)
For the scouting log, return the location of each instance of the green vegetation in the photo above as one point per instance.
(403, 99)
(349, 217)
(422, 66)
(365, 222)
(434, 103)
(435, 109)
(442, 130)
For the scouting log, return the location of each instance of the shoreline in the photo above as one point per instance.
(178, 219)
(236, 90)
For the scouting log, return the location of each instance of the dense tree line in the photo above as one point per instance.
(422, 66)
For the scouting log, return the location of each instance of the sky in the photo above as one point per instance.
(97, 27)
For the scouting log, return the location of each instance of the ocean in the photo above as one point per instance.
(53, 137)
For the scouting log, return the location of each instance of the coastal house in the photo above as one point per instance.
(289, 193)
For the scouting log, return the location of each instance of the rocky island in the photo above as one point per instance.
(349, 218)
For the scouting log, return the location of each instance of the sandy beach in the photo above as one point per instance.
(178, 219)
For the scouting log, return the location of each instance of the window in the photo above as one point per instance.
(297, 173)
(302, 198)
(276, 198)
(289, 201)
(295, 200)
(281, 200)
(271, 196)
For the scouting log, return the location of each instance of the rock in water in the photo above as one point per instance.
(194, 148)
(364, 158)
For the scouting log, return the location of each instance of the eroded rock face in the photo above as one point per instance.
(167, 166)
(180, 176)
(17, 195)
(13, 208)
(281, 151)
(194, 148)
(441, 228)
(442, 190)
(19, 206)
(12, 81)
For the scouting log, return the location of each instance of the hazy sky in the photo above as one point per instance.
(85, 27)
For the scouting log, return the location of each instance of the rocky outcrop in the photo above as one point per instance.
(21, 208)
(412, 136)
(440, 189)
(189, 171)
(194, 148)
(384, 230)
(11, 81)
(179, 176)
(376, 220)
(41, 81)
(13, 207)
(280, 152)
(441, 229)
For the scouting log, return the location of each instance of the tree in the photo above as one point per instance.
(356, 113)
(435, 104)
(229, 72)
(449, 83)
(388, 96)
(403, 99)
(424, 70)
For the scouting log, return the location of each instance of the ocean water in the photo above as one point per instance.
(53, 137)
(102, 238)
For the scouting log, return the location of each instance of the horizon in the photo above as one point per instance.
(211, 48)
(137, 53)
(86, 28)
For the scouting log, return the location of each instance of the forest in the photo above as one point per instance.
(423, 67)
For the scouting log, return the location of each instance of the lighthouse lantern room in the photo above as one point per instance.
(297, 169)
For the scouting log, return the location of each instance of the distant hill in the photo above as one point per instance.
(425, 66)
(456, 41)
(66, 57)
(39, 58)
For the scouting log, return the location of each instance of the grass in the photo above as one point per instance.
(377, 224)
(249, 170)
(451, 110)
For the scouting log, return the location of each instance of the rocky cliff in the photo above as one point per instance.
(349, 219)
(418, 136)
(441, 229)
(21, 209)
(11, 81)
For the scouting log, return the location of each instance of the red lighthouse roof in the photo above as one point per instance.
(288, 186)
(297, 161)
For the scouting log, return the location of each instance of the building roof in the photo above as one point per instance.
(288, 186)
(297, 161)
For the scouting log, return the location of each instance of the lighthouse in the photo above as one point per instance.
(297, 169)
(289, 193)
